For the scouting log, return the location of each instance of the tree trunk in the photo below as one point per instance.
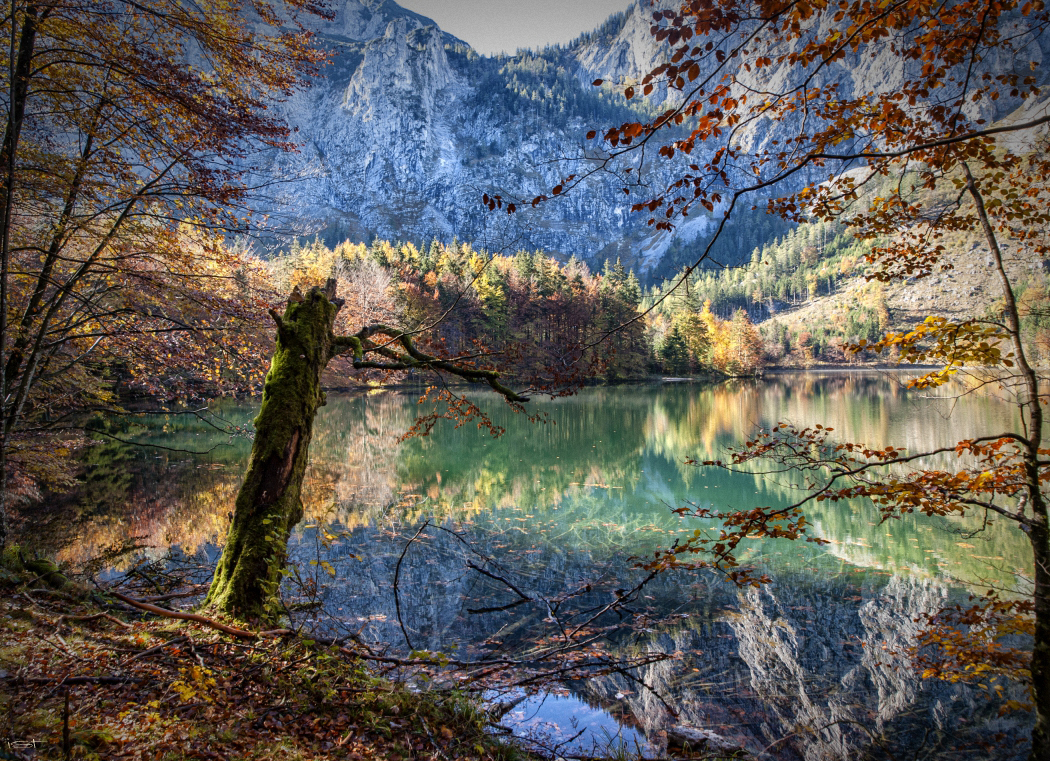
(1039, 530)
(268, 505)
(20, 65)
(1041, 646)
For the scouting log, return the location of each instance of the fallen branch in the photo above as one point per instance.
(275, 633)
(231, 630)
(72, 680)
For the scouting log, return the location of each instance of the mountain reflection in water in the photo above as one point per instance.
(811, 666)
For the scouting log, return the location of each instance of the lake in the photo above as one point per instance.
(513, 548)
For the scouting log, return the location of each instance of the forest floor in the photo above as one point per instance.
(83, 676)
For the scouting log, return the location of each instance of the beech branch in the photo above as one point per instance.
(411, 358)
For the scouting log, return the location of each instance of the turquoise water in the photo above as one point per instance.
(519, 548)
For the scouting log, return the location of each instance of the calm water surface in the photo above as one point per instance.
(810, 666)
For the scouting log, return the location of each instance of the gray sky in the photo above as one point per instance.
(493, 26)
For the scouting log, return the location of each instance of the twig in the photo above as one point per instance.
(646, 686)
(67, 747)
(175, 595)
(93, 617)
(148, 579)
(397, 577)
(35, 579)
(72, 680)
(56, 593)
(154, 649)
(524, 597)
(189, 707)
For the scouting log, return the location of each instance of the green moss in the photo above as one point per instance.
(11, 559)
(49, 572)
(268, 505)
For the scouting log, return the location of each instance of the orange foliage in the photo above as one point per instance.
(914, 167)
(119, 180)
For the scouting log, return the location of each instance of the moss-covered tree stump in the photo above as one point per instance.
(268, 505)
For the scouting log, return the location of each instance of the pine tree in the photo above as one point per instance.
(675, 353)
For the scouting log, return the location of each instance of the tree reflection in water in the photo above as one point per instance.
(812, 666)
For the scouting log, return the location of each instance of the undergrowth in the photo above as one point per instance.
(81, 679)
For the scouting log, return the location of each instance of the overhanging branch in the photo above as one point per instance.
(360, 345)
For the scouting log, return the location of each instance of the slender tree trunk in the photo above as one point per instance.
(1039, 532)
(268, 505)
(1041, 647)
(20, 59)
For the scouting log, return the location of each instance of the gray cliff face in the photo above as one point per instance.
(408, 127)
(365, 20)
(626, 52)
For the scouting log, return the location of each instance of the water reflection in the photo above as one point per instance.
(812, 666)
(817, 672)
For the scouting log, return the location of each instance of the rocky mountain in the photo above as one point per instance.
(409, 126)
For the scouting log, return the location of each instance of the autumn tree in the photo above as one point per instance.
(946, 145)
(122, 168)
(746, 351)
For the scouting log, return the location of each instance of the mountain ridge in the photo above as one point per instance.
(408, 127)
